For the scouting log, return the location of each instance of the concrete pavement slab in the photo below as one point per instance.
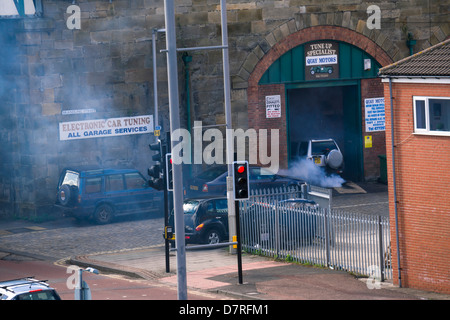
(215, 270)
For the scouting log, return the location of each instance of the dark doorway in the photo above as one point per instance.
(328, 112)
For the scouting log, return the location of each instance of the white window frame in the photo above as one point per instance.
(427, 130)
(32, 8)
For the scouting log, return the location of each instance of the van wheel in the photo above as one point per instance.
(213, 236)
(103, 214)
(64, 195)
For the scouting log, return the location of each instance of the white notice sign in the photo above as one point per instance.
(101, 128)
(273, 106)
(374, 118)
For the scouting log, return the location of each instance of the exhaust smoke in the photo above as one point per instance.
(306, 170)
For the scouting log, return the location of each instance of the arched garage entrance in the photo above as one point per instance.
(322, 85)
(327, 111)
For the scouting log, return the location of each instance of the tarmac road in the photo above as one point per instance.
(65, 237)
(103, 287)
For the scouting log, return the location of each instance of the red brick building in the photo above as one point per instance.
(419, 170)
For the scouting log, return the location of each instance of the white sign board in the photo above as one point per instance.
(77, 111)
(374, 116)
(320, 60)
(100, 128)
(273, 106)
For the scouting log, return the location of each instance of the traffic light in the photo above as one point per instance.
(241, 180)
(156, 147)
(156, 182)
(169, 175)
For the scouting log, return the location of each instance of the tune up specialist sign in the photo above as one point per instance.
(322, 60)
(101, 128)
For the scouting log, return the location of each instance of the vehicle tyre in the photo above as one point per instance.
(103, 214)
(212, 236)
(66, 194)
(334, 159)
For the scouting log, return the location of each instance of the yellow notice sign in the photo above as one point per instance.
(368, 141)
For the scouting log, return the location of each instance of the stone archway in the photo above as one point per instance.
(261, 62)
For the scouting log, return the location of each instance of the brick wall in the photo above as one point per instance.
(422, 175)
(257, 117)
(372, 88)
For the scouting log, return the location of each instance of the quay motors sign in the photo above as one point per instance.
(101, 128)
(322, 60)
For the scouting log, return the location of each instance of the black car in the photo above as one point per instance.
(102, 194)
(206, 220)
(213, 182)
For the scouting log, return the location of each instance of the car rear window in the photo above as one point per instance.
(322, 147)
(189, 207)
(71, 178)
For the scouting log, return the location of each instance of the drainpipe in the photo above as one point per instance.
(394, 182)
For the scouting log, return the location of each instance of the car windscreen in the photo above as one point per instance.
(321, 147)
(212, 173)
(71, 178)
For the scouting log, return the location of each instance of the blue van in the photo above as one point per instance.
(102, 194)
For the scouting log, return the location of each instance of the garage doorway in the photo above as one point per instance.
(328, 112)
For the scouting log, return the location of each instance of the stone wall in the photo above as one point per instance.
(47, 68)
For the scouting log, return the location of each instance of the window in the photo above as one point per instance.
(114, 182)
(71, 178)
(222, 206)
(20, 8)
(93, 185)
(134, 181)
(432, 115)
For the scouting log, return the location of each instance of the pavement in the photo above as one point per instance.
(216, 271)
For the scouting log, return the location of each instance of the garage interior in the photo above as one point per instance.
(323, 112)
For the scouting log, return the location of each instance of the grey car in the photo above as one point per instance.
(27, 289)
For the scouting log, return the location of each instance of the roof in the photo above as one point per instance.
(431, 62)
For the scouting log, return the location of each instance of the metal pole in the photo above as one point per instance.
(380, 248)
(397, 236)
(229, 137)
(166, 205)
(172, 72)
(155, 80)
(238, 237)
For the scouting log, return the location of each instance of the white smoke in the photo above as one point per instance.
(306, 170)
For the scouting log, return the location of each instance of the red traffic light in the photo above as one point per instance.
(241, 169)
